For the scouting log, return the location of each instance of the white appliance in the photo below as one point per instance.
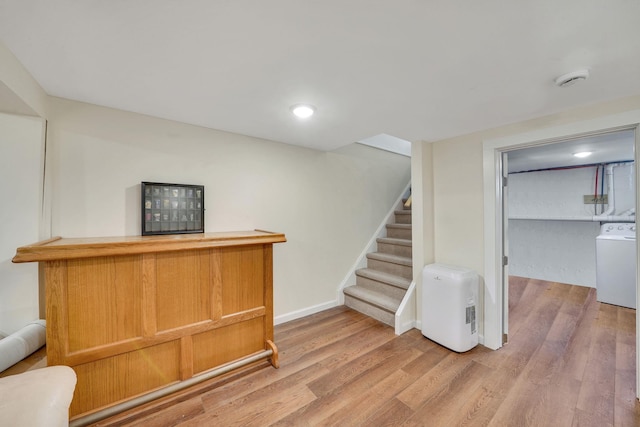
(616, 264)
(449, 298)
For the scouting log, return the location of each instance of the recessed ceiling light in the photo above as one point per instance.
(582, 154)
(303, 111)
(572, 78)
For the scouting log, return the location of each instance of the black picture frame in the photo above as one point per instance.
(171, 208)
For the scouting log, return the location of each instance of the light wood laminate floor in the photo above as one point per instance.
(570, 361)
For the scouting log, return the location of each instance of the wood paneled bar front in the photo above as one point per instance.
(133, 315)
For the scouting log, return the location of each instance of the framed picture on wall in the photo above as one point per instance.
(172, 208)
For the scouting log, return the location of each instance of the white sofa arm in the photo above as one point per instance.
(37, 398)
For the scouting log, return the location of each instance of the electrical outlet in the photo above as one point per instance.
(589, 199)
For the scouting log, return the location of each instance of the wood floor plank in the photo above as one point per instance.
(433, 381)
(427, 361)
(440, 409)
(307, 344)
(303, 323)
(518, 313)
(258, 383)
(263, 407)
(482, 405)
(357, 345)
(530, 398)
(395, 350)
(577, 353)
(625, 399)
(297, 365)
(367, 404)
(392, 413)
(347, 394)
(171, 416)
(517, 285)
(302, 336)
(598, 384)
(570, 361)
(589, 419)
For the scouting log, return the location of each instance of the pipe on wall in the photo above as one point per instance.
(628, 216)
(597, 218)
(610, 194)
(22, 343)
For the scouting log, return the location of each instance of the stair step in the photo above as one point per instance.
(372, 311)
(400, 226)
(372, 297)
(400, 247)
(380, 287)
(386, 278)
(399, 231)
(403, 216)
(394, 259)
(391, 264)
(394, 241)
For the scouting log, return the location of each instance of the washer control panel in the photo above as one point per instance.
(619, 229)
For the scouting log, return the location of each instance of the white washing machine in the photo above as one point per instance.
(616, 264)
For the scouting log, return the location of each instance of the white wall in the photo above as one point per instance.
(457, 165)
(560, 251)
(556, 251)
(559, 193)
(21, 160)
(328, 204)
(21, 92)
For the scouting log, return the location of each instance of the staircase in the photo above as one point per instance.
(380, 287)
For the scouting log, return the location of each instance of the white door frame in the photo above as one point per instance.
(493, 243)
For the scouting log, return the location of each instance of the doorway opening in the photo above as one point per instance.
(496, 269)
(557, 205)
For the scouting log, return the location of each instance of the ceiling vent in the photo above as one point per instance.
(572, 78)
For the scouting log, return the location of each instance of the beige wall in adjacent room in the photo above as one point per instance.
(328, 204)
(458, 182)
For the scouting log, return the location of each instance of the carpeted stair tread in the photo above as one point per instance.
(377, 299)
(380, 276)
(382, 285)
(399, 226)
(394, 259)
(394, 241)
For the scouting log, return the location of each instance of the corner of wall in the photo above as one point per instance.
(29, 96)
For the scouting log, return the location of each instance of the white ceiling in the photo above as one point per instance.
(416, 70)
(605, 148)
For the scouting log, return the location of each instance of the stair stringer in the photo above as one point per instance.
(371, 246)
(405, 319)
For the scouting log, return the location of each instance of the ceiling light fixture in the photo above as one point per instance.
(303, 111)
(582, 154)
(572, 78)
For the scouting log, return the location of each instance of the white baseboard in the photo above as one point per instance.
(283, 318)
(405, 327)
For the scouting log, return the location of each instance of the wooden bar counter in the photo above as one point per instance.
(136, 314)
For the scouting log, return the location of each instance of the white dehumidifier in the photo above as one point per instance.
(449, 298)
